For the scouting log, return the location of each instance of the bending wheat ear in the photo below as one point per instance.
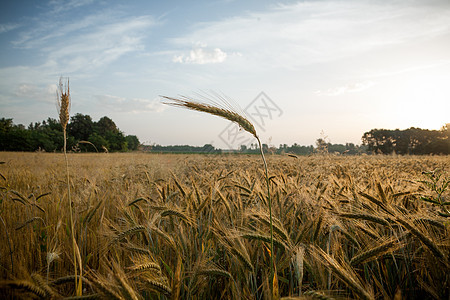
(244, 123)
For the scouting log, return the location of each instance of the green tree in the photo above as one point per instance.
(132, 142)
(116, 140)
(105, 125)
(99, 141)
(6, 126)
(54, 124)
(40, 139)
(379, 141)
(18, 139)
(409, 141)
(81, 127)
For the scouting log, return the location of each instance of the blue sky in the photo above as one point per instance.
(338, 67)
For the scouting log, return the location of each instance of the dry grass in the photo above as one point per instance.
(191, 226)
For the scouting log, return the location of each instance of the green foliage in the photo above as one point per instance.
(99, 141)
(207, 148)
(117, 141)
(105, 125)
(48, 136)
(296, 149)
(132, 142)
(409, 141)
(81, 127)
(437, 183)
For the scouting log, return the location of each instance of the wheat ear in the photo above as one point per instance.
(228, 114)
(348, 277)
(63, 102)
(371, 254)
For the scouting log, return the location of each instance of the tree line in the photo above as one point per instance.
(414, 141)
(410, 141)
(348, 148)
(84, 135)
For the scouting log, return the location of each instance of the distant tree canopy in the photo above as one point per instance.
(348, 148)
(83, 135)
(409, 141)
(207, 149)
(86, 135)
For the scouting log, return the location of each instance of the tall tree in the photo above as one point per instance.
(81, 127)
(105, 125)
(409, 141)
(132, 142)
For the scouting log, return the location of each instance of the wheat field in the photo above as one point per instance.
(160, 226)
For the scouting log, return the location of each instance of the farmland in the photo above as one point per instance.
(160, 226)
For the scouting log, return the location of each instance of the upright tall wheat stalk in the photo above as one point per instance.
(63, 102)
(244, 123)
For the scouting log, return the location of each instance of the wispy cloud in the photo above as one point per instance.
(305, 33)
(87, 43)
(58, 6)
(62, 42)
(38, 93)
(102, 45)
(134, 105)
(8, 27)
(399, 71)
(348, 88)
(202, 56)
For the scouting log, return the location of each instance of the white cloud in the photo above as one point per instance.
(202, 56)
(419, 67)
(51, 89)
(292, 36)
(36, 93)
(102, 45)
(134, 105)
(87, 43)
(79, 48)
(60, 6)
(348, 88)
(25, 90)
(8, 27)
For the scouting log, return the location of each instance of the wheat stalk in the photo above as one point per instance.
(367, 217)
(177, 278)
(69, 278)
(63, 103)
(156, 283)
(298, 262)
(25, 285)
(231, 115)
(345, 275)
(121, 235)
(144, 263)
(266, 239)
(49, 292)
(427, 241)
(371, 254)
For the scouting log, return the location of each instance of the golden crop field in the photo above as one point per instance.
(154, 226)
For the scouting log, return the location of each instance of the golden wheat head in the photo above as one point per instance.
(63, 102)
(228, 114)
